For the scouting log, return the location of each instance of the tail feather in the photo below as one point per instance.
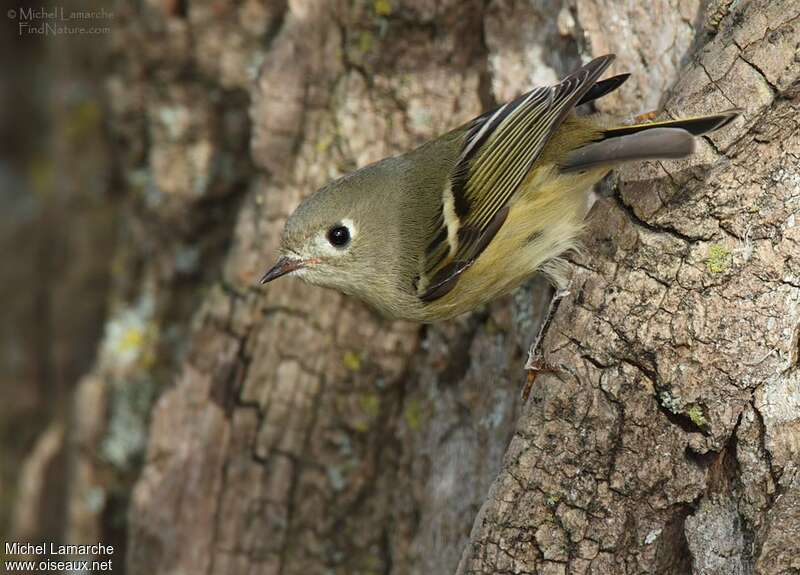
(658, 143)
(695, 126)
(672, 139)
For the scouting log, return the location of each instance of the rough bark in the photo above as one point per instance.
(296, 432)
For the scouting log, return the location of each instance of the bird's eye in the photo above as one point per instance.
(339, 236)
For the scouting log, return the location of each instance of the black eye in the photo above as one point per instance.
(339, 236)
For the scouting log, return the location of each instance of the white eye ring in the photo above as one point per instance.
(323, 239)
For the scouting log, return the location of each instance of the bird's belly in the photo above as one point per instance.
(544, 221)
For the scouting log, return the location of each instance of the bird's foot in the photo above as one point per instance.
(536, 364)
(534, 368)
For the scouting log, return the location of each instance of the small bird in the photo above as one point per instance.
(467, 217)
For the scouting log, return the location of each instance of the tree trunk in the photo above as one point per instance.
(297, 432)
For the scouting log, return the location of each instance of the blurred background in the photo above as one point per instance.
(58, 228)
(85, 243)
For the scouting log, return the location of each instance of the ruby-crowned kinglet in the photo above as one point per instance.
(466, 217)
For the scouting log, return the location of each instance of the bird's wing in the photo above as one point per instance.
(499, 150)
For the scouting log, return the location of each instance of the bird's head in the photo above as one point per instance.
(338, 237)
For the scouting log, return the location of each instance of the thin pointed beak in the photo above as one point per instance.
(283, 266)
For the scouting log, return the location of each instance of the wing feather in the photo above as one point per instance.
(499, 150)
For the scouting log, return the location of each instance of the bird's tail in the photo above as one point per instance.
(671, 139)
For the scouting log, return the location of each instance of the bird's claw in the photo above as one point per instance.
(534, 367)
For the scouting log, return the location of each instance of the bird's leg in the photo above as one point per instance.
(536, 363)
(534, 353)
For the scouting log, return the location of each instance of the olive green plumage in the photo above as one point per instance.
(466, 217)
